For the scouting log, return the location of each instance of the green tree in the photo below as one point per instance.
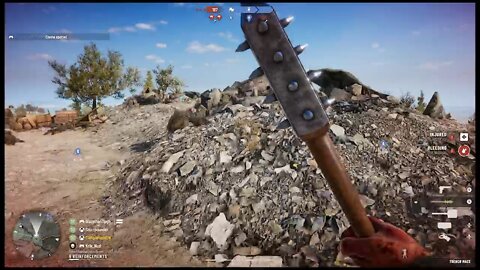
(30, 108)
(21, 111)
(167, 82)
(94, 77)
(77, 106)
(421, 105)
(148, 81)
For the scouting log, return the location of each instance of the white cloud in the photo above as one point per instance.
(206, 64)
(155, 59)
(376, 46)
(114, 29)
(179, 4)
(186, 67)
(130, 29)
(40, 56)
(137, 26)
(161, 45)
(228, 36)
(416, 33)
(197, 47)
(434, 65)
(145, 26)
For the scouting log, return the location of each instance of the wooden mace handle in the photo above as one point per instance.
(329, 162)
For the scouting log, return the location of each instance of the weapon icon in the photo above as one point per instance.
(442, 188)
(444, 237)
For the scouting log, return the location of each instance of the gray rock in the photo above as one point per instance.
(337, 130)
(177, 136)
(132, 177)
(215, 97)
(404, 175)
(299, 221)
(213, 188)
(257, 261)
(314, 239)
(194, 248)
(247, 251)
(435, 108)
(267, 156)
(220, 230)
(318, 224)
(358, 140)
(392, 116)
(171, 161)
(240, 238)
(356, 89)
(247, 192)
(285, 168)
(258, 207)
(295, 190)
(276, 228)
(249, 101)
(407, 189)
(187, 168)
(393, 99)
(192, 199)
(339, 94)
(220, 258)
(224, 157)
(237, 169)
(365, 201)
(297, 199)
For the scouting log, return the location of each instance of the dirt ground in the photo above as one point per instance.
(43, 173)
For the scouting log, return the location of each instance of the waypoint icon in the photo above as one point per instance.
(464, 137)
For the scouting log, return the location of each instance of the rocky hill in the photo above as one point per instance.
(239, 186)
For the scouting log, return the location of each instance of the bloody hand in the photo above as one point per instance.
(388, 247)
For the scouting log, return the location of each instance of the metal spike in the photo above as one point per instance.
(313, 74)
(300, 48)
(327, 102)
(270, 99)
(256, 73)
(284, 124)
(286, 21)
(243, 47)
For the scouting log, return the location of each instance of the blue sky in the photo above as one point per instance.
(394, 48)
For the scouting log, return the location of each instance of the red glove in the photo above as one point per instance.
(388, 247)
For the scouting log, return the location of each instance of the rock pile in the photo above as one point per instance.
(28, 122)
(239, 187)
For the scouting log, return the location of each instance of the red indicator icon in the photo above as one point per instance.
(452, 151)
(464, 150)
(211, 17)
(212, 9)
(451, 137)
(219, 17)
